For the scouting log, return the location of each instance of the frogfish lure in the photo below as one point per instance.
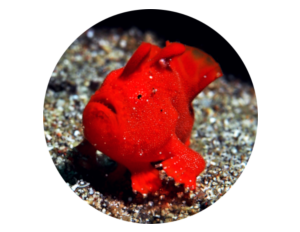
(143, 113)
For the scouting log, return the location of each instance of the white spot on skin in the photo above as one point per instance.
(151, 77)
(162, 63)
(124, 138)
(147, 100)
(204, 76)
(133, 108)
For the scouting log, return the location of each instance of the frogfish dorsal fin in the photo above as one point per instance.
(171, 50)
(136, 58)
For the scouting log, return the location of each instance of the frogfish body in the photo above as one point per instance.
(143, 113)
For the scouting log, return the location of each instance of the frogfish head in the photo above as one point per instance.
(122, 106)
(100, 122)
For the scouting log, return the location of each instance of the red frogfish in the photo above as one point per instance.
(143, 113)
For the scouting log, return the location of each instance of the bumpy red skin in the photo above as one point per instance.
(142, 113)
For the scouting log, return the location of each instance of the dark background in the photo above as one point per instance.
(181, 28)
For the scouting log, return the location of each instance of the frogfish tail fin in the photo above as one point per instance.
(197, 70)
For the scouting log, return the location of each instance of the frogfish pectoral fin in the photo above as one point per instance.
(184, 165)
(144, 178)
